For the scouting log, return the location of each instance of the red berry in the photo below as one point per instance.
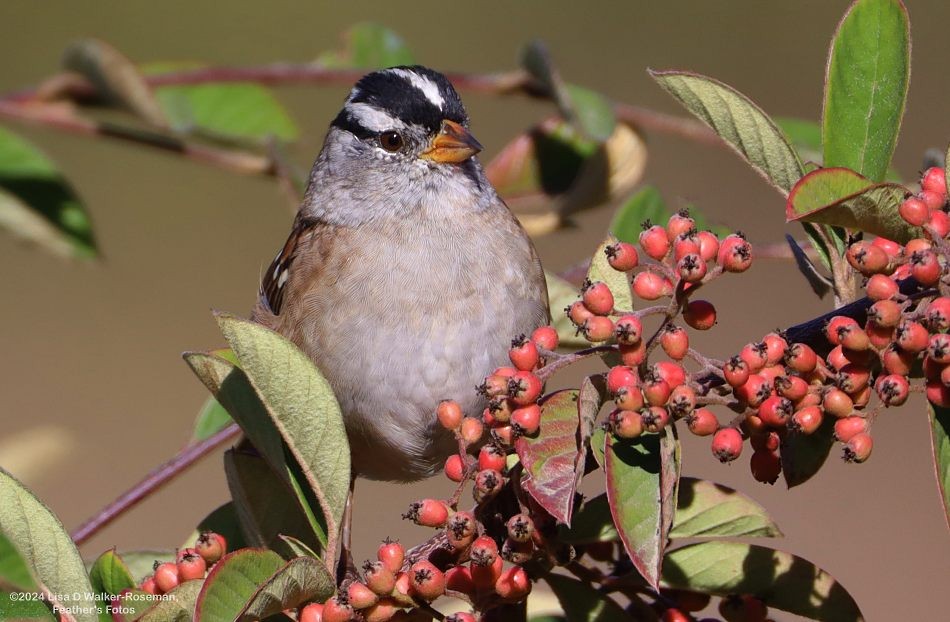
(598, 298)
(191, 565)
(685, 244)
(912, 336)
(471, 430)
(524, 388)
(513, 585)
(765, 466)
(166, 577)
(848, 427)
(622, 256)
(428, 513)
(691, 268)
(629, 398)
(675, 615)
(935, 201)
(671, 372)
(835, 327)
(654, 242)
(938, 314)
(892, 389)
(484, 577)
(727, 444)
(682, 401)
(545, 337)
(524, 354)
(628, 330)
(621, 377)
(655, 419)
(391, 555)
(896, 361)
(520, 528)
(633, 355)
(526, 420)
(655, 390)
(756, 390)
(484, 551)
(775, 411)
(914, 211)
(401, 593)
(679, 223)
(806, 420)
(867, 258)
(881, 287)
(360, 596)
(148, 585)
(211, 546)
(337, 609)
(700, 314)
(801, 358)
(311, 613)
(491, 457)
(385, 609)
(488, 483)
(379, 578)
(885, 313)
(939, 224)
(651, 286)
(459, 579)
(765, 441)
(708, 245)
(858, 449)
(938, 393)
(925, 267)
(790, 387)
(674, 341)
(449, 414)
(735, 254)
(427, 581)
(454, 468)
(597, 328)
(578, 313)
(736, 371)
(626, 423)
(755, 355)
(934, 180)
(503, 435)
(702, 422)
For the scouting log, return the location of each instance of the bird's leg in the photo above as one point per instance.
(346, 567)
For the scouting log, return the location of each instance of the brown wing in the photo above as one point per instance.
(278, 274)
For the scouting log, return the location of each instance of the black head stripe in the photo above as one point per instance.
(393, 93)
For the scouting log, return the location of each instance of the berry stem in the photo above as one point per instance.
(559, 361)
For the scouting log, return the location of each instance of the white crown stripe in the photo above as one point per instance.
(429, 88)
(373, 118)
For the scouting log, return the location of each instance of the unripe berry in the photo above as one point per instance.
(934, 180)
(513, 585)
(449, 414)
(484, 551)
(765, 466)
(622, 256)
(727, 444)
(166, 577)
(524, 388)
(545, 337)
(391, 555)
(651, 286)
(471, 430)
(700, 314)
(702, 422)
(674, 341)
(520, 528)
(578, 313)
(691, 268)
(488, 483)
(598, 297)
(735, 254)
(628, 329)
(211, 546)
(428, 513)
(775, 411)
(380, 579)
(914, 211)
(654, 242)
(911, 336)
(848, 427)
(806, 420)
(626, 423)
(311, 613)
(526, 420)
(736, 371)
(597, 328)
(459, 579)
(191, 565)
(655, 419)
(524, 353)
(360, 596)
(427, 581)
(858, 449)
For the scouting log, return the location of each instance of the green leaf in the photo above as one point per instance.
(843, 198)
(739, 121)
(782, 580)
(179, 606)
(940, 439)
(233, 389)
(233, 582)
(109, 576)
(37, 204)
(560, 295)
(598, 440)
(232, 110)
(618, 282)
(804, 135)
(592, 522)
(24, 610)
(299, 548)
(15, 574)
(266, 506)
(302, 406)
(550, 459)
(646, 204)
(592, 112)
(706, 509)
(368, 46)
(804, 454)
(641, 497)
(866, 87)
(302, 579)
(582, 603)
(44, 544)
(212, 419)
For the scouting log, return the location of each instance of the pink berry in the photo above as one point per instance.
(651, 286)
(691, 268)
(597, 328)
(914, 211)
(934, 180)
(735, 254)
(858, 448)
(598, 298)
(702, 422)
(654, 242)
(454, 468)
(428, 513)
(622, 256)
(727, 444)
(545, 337)
(449, 414)
(524, 354)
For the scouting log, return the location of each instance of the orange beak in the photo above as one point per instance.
(452, 145)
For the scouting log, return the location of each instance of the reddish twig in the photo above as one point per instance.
(153, 481)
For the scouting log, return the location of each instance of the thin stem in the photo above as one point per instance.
(157, 478)
(560, 361)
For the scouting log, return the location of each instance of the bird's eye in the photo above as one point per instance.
(391, 141)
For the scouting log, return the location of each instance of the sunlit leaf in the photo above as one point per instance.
(560, 295)
(37, 204)
(109, 576)
(550, 459)
(940, 438)
(706, 509)
(300, 580)
(740, 122)
(582, 603)
(866, 87)
(368, 46)
(843, 198)
(47, 549)
(782, 580)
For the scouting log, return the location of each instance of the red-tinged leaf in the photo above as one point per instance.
(843, 198)
(641, 493)
(550, 459)
(590, 399)
(940, 439)
(233, 582)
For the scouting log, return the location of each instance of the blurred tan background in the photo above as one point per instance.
(91, 373)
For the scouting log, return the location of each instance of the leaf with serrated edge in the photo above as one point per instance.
(302, 406)
(617, 281)
(782, 580)
(581, 602)
(302, 579)
(866, 87)
(639, 500)
(843, 198)
(233, 582)
(741, 123)
(551, 457)
(44, 544)
(231, 387)
(178, 605)
(706, 509)
(940, 440)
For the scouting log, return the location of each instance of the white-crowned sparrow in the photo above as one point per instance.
(405, 276)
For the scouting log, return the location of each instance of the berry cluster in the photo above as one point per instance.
(189, 564)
